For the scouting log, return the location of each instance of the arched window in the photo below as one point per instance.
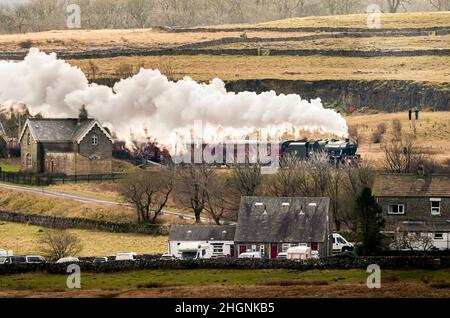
(94, 140)
(28, 139)
(29, 160)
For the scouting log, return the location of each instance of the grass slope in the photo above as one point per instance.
(24, 240)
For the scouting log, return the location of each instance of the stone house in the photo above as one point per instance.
(415, 204)
(71, 146)
(271, 225)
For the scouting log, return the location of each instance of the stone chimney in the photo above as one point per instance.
(83, 115)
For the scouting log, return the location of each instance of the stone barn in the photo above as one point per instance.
(71, 146)
(271, 225)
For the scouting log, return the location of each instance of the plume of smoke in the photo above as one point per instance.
(150, 101)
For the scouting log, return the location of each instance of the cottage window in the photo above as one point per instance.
(94, 140)
(218, 249)
(28, 139)
(29, 161)
(435, 206)
(438, 236)
(396, 209)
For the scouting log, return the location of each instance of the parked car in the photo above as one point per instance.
(126, 257)
(282, 255)
(168, 257)
(100, 260)
(68, 260)
(250, 255)
(35, 259)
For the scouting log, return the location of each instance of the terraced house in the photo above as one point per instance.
(71, 146)
(416, 204)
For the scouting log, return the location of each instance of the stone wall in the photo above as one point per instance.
(85, 224)
(336, 262)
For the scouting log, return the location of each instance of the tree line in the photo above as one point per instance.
(41, 15)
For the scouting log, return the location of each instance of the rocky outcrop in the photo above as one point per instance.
(388, 96)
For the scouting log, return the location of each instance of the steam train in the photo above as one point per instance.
(337, 151)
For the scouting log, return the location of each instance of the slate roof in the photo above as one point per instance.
(411, 185)
(202, 233)
(283, 220)
(59, 129)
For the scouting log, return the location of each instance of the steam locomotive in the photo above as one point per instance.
(337, 151)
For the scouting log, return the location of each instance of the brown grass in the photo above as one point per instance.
(388, 290)
(205, 68)
(388, 20)
(24, 240)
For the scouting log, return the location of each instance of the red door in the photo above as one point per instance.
(232, 250)
(314, 246)
(273, 251)
(242, 249)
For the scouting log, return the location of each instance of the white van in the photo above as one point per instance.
(126, 257)
(340, 244)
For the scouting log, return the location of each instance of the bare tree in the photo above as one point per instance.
(148, 192)
(93, 69)
(401, 156)
(247, 178)
(192, 187)
(221, 201)
(319, 170)
(58, 244)
(394, 5)
(414, 242)
(440, 5)
(290, 180)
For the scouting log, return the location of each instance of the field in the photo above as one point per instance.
(232, 283)
(432, 133)
(389, 20)
(309, 68)
(24, 240)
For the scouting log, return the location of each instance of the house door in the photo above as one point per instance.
(232, 250)
(314, 247)
(273, 251)
(242, 249)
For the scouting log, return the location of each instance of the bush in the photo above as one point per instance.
(377, 135)
(27, 44)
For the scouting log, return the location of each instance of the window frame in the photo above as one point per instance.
(438, 239)
(435, 210)
(398, 208)
(28, 160)
(94, 140)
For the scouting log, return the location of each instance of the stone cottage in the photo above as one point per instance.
(271, 225)
(71, 146)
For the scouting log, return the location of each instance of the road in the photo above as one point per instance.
(85, 199)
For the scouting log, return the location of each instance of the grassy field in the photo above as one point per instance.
(232, 283)
(24, 240)
(10, 165)
(309, 68)
(432, 133)
(388, 20)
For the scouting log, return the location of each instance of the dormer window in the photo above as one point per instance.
(94, 140)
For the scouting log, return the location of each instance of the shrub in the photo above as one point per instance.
(27, 44)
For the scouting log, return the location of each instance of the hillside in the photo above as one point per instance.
(336, 58)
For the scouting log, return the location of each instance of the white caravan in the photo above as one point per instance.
(194, 250)
(300, 252)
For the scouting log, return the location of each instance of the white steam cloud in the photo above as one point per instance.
(148, 103)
